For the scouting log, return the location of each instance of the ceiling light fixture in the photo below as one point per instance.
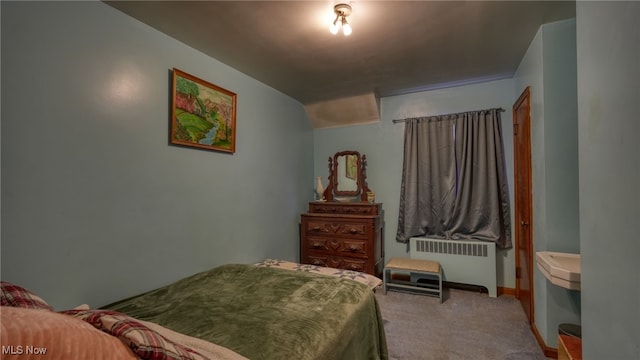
(342, 11)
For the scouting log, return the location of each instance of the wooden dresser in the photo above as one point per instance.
(344, 236)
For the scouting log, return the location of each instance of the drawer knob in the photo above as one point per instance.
(316, 228)
(316, 245)
(353, 230)
(353, 248)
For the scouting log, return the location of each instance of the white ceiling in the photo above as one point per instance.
(396, 47)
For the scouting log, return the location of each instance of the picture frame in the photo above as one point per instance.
(203, 115)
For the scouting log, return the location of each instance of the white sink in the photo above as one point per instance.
(562, 269)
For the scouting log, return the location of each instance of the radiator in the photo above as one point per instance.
(462, 261)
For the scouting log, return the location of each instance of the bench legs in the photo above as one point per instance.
(433, 290)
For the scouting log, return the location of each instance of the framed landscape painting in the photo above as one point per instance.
(203, 115)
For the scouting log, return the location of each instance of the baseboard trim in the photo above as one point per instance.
(548, 351)
(506, 291)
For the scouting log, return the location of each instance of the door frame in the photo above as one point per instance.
(521, 226)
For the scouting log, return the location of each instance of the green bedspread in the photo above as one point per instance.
(269, 313)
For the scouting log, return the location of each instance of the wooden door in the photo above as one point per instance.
(523, 213)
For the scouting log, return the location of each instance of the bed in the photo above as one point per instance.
(271, 310)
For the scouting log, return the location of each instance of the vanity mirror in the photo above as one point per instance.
(347, 177)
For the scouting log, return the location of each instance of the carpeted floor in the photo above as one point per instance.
(467, 325)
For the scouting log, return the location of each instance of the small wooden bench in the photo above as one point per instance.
(415, 266)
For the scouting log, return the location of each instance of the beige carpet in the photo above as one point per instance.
(467, 325)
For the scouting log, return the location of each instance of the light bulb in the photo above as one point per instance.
(335, 25)
(334, 28)
(346, 28)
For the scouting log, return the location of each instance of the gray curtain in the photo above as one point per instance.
(454, 183)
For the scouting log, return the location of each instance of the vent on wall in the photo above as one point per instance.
(453, 247)
(462, 261)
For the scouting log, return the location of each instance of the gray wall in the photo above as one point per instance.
(382, 143)
(608, 38)
(95, 204)
(549, 69)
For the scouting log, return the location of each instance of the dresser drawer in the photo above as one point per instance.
(344, 208)
(335, 228)
(337, 262)
(337, 246)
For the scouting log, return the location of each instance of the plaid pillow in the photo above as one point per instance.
(17, 296)
(143, 341)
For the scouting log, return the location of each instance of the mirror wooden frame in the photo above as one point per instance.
(362, 188)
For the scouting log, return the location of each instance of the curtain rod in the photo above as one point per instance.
(407, 119)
